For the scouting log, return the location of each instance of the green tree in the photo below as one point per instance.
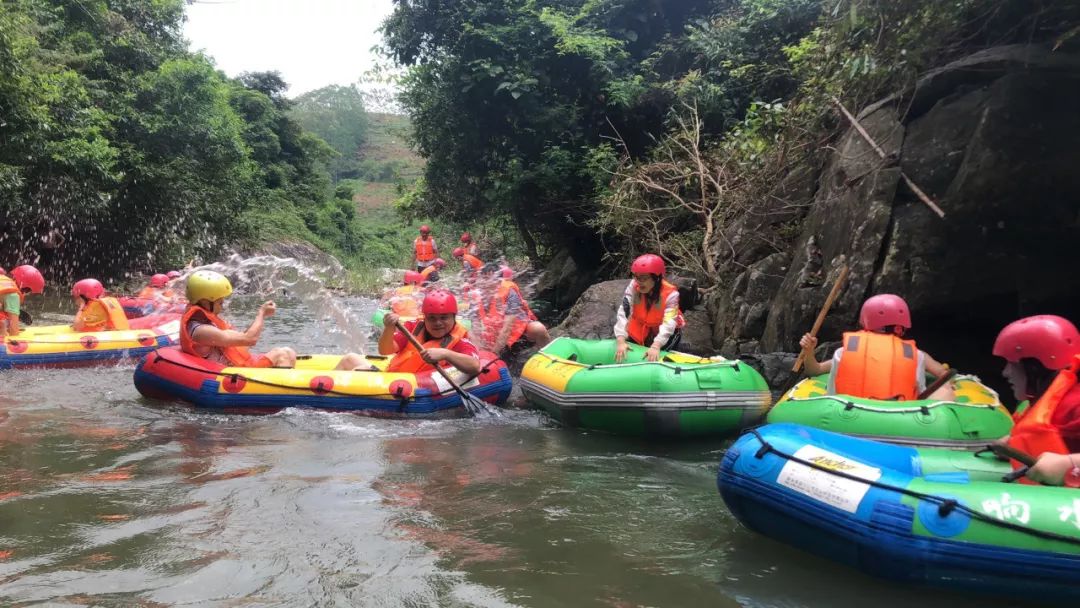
(337, 115)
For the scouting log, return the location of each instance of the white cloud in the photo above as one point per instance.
(312, 43)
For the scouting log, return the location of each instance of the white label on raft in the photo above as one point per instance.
(830, 489)
(172, 328)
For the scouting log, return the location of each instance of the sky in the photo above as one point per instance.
(312, 43)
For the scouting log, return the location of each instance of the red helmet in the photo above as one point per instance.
(459, 252)
(883, 310)
(466, 237)
(439, 263)
(1051, 339)
(507, 272)
(425, 229)
(28, 277)
(159, 280)
(648, 264)
(413, 278)
(439, 302)
(173, 274)
(88, 288)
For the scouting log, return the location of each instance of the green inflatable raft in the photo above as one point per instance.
(972, 419)
(578, 383)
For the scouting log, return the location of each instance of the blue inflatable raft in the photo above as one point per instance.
(906, 514)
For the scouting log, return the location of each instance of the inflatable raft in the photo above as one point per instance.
(579, 385)
(135, 307)
(891, 512)
(60, 346)
(171, 374)
(972, 419)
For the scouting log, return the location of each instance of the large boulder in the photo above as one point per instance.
(697, 335)
(992, 139)
(562, 281)
(739, 314)
(847, 225)
(593, 315)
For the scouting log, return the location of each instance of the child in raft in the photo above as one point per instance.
(876, 362)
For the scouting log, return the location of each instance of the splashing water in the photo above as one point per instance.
(268, 276)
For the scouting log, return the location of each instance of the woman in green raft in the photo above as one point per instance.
(635, 385)
(857, 368)
(876, 387)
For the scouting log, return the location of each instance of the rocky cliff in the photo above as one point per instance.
(992, 139)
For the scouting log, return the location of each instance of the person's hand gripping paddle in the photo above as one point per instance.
(473, 405)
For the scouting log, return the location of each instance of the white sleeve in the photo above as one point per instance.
(831, 388)
(920, 373)
(620, 317)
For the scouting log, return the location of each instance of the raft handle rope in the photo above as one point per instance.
(72, 342)
(923, 409)
(235, 376)
(663, 363)
(945, 505)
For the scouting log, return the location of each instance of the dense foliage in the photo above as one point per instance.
(121, 151)
(621, 125)
(337, 115)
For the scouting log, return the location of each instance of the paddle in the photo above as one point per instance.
(822, 314)
(25, 318)
(1010, 453)
(472, 404)
(940, 382)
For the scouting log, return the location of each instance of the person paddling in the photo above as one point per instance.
(424, 249)
(875, 362)
(445, 341)
(206, 335)
(469, 245)
(24, 280)
(508, 318)
(97, 312)
(403, 301)
(158, 289)
(1042, 355)
(469, 262)
(649, 313)
(431, 273)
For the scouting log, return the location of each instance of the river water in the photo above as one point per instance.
(109, 499)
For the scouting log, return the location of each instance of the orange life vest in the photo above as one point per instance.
(496, 314)
(878, 366)
(644, 323)
(237, 356)
(472, 260)
(403, 303)
(8, 286)
(408, 359)
(425, 249)
(1035, 433)
(115, 319)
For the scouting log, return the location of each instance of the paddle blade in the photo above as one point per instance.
(25, 318)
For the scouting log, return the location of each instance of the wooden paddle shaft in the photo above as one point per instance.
(824, 312)
(420, 347)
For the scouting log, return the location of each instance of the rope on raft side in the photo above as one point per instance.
(235, 376)
(945, 505)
